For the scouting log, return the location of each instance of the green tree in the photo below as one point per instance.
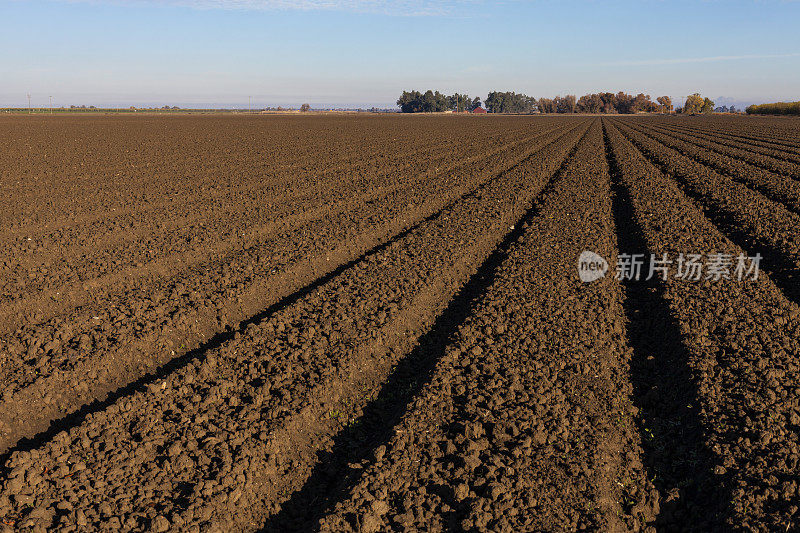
(433, 101)
(459, 102)
(410, 102)
(305, 108)
(509, 102)
(708, 106)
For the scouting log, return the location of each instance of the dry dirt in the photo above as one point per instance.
(289, 323)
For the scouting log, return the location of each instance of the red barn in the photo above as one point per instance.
(479, 110)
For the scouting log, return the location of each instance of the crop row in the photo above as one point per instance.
(53, 368)
(756, 223)
(750, 149)
(218, 439)
(776, 162)
(527, 423)
(776, 186)
(740, 381)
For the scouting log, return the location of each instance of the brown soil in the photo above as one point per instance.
(375, 323)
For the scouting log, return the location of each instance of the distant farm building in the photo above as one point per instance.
(479, 111)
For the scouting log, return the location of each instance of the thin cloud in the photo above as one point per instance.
(397, 8)
(681, 61)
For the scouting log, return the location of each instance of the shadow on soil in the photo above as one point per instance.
(721, 169)
(780, 268)
(199, 353)
(664, 391)
(76, 418)
(332, 478)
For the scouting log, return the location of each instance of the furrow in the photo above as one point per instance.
(527, 423)
(63, 277)
(216, 154)
(233, 424)
(84, 359)
(778, 188)
(746, 157)
(775, 158)
(753, 222)
(741, 348)
(742, 130)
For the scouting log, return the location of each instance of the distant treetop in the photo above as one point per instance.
(778, 108)
(518, 103)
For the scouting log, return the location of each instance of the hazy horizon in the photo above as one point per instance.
(719, 101)
(364, 53)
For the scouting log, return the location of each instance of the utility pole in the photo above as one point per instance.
(51, 105)
(249, 107)
(29, 103)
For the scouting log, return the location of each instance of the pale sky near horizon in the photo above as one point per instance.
(366, 52)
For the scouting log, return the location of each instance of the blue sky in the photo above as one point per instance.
(365, 52)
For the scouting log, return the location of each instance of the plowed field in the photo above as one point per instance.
(370, 323)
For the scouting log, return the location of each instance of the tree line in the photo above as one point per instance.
(434, 101)
(778, 108)
(518, 103)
